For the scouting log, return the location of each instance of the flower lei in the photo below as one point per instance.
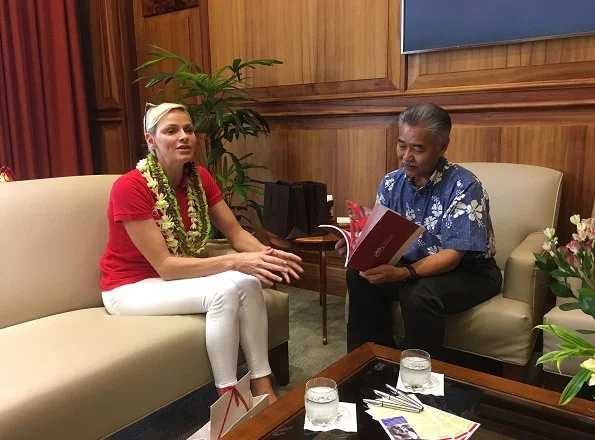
(179, 242)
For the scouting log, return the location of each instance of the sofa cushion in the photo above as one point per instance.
(502, 327)
(74, 375)
(53, 235)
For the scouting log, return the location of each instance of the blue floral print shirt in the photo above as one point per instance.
(452, 206)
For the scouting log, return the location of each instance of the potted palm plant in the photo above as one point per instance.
(220, 109)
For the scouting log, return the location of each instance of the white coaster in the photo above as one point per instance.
(434, 387)
(346, 420)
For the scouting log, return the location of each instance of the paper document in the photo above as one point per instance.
(384, 239)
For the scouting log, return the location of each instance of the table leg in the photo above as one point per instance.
(323, 294)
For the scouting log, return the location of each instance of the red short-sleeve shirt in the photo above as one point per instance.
(131, 199)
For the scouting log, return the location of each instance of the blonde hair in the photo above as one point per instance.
(155, 113)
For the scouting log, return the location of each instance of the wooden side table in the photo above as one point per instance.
(320, 244)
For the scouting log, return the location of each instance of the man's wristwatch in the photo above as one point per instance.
(412, 273)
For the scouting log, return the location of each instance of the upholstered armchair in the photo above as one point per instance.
(571, 319)
(524, 200)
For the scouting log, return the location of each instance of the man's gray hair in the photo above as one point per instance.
(429, 116)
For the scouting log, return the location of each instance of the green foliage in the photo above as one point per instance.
(571, 345)
(220, 109)
(574, 386)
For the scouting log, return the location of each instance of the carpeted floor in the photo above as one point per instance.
(307, 356)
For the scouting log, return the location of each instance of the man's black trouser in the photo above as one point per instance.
(425, 302)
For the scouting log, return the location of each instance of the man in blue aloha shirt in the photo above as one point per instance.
(450, 268)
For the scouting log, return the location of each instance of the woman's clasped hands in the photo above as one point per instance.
(269, 266)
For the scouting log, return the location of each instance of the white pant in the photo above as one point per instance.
(235, 314)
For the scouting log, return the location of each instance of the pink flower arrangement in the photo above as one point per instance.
(573, 260)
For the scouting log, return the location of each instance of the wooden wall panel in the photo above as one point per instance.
(105, 55)
(558, 147)
(332, 45)
(558, 61)
(588, 194)
(474, 144)
(361, 163)
(178, 32)
(112, 156)
(348, 155)
(106, 39)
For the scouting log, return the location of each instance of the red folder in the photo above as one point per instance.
(384, 239)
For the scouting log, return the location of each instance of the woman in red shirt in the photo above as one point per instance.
(159, 221)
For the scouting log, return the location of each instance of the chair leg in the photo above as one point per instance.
(279, 361)
(514, 372)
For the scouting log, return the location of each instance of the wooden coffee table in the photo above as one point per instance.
(505, 409)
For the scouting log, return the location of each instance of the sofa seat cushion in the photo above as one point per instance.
(571, 319)
(85, 373)
(499, 328)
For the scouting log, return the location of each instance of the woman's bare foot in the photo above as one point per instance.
(261, 386)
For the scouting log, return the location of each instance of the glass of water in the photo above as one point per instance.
(321, 400)
(415, 369)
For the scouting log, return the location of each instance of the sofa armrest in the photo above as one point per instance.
(523, 281)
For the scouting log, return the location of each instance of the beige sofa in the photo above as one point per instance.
(524, 200)
(69, 370)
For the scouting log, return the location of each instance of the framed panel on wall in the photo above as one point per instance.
(430, 25)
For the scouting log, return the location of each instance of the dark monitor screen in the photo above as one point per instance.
(429, 25)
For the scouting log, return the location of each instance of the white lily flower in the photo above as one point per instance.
(549, 232)
(589, 364)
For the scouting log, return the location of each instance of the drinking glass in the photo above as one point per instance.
(415, 368)
(321, 400)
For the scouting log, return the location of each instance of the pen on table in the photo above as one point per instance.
(402, 394)
(390, 405)
(400, 400)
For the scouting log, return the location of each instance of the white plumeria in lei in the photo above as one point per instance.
(179, 242)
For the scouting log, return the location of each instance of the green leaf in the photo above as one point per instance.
(587, 264)
(566, 335)
(561, 290)
(570, 306)
(150, 63)
(550, 264)
(586, 332)
(551, 356)
(586, 291)
(587, 305)
(574, 386)
(559, 273)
